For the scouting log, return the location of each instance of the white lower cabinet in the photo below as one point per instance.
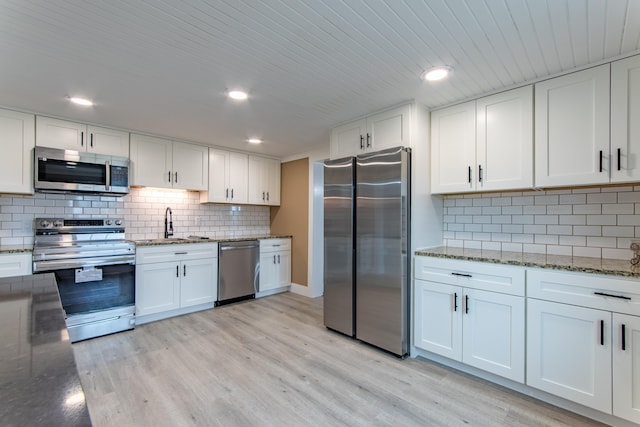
(275, 265)
(16, 264)
(480, 328)
(583, 339)
(175, 279)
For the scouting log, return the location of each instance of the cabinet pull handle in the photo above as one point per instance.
(455, 301)
(602, 332)
(624, 337)
(232, 194)
(368, 140)
(81, 139)
(278, 259)
(169, 177)
(480, 173)
(619, 157)
(267, 196)
(184, 270)
(361, 142)
(274, 259)
(263, 196)
(226, 194)
(469, 174)
(600, 160)
(466, 304)
(176, 177)
(91, 139)
(180, 253)
(461, 274)
(612, 296)
(177, 271)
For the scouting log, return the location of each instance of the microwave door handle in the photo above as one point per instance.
(108, 176)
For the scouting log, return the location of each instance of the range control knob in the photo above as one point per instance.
(45, 223)
(58, 223)
(118, 222)
(108, 222)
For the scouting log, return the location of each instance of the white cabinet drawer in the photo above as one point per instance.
(273, 245)
(173, 253)
(15, 264)
(472, 274)
(620, 295)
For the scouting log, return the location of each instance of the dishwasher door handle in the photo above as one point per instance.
(235, 248)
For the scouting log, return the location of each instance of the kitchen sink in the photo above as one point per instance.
(163, 240)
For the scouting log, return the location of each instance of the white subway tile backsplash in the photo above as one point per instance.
(593, 222)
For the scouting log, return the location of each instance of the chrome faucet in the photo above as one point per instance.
(168, 223)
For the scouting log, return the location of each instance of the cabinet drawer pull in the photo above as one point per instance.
(624, 338)
(469, 174)
(600, 160)
(619, 156)
(466, 304)
(461, 274)
(480, 173)
(602, 332)
(455, 301)
(612, 296)
(180, 253)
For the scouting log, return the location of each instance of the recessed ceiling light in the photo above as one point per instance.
(254, 140)
(436, 73)
(81, 101)
(238, 95)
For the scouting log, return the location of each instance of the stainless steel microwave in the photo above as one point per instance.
(69, 171)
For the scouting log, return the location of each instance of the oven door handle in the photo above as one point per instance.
(62, 264)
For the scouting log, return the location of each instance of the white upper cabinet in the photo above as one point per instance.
(80, 137)
(453, 149)
(157, 162)
(391, 128)
(264, 181)
(625, 126)
(504, 140)
(228, 175)
(17, 133)
(483, 145)
(572, 129)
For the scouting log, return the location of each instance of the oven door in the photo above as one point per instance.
(98, 288)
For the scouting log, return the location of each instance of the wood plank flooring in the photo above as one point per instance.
(271, 362)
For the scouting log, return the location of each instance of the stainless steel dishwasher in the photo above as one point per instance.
(238, 270)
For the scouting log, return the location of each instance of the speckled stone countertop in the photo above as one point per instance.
(188, 240)
(15, 249)
(39, 382)
(614, 267)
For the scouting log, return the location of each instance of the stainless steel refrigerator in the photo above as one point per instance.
(366, 247)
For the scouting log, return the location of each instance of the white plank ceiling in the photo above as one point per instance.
(163, 66)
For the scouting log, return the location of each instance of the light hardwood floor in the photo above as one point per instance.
(271, 362)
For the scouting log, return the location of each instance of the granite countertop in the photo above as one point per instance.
(614, 267)
(39, 382)
(191, 239)
(15, 249)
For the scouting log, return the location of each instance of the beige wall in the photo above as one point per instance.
(292, 216)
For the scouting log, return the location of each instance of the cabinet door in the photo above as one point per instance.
(238, 178)
(190, 166)
(283, 267)
(389, 129)
(257, 182)
(504, 147)
(493, 333)
(625, 126)
(272, 178)
(17, 133)
(438, 318)
(151, 161)
(198, 285)
(568, 353)
(453, 149)
(572, 129)
(15, 264)
(348, 139)
(626, 367)
(108, 141)
(62, 134)
(218, 191)
(157, 288)
(268, 273)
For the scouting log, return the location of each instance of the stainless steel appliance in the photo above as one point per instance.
(94, 267)
(238, 270)
(366, 246)
(60, 171)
